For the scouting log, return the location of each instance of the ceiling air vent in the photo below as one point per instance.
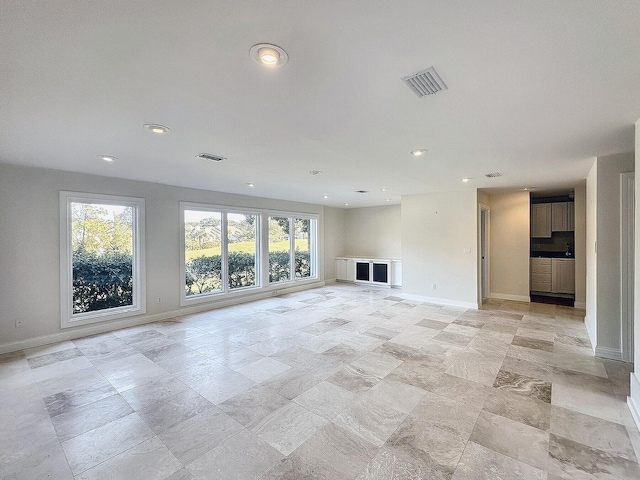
(213, 158)
(424, 83)
(362, 191)
(493, 175)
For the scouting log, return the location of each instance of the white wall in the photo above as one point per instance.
(334, 239)
(580, 244)
(373, 231)
(509, 253)
(30, 245)
(436, 230)
(603, 266)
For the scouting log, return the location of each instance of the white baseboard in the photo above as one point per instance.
(611, 353)
(633, 401)
(508, 296)
(440, 301)
(95, 329)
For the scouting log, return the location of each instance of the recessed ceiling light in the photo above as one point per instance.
(385, 189)
(315, 172)
(466, 179)
(387, 199)
(269, 55)
(107, 158)
(418, 152)
(251, 185)
(325, 196)
(527, 189)
(156, 128)
(346, 204)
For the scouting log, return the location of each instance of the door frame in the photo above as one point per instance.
(627, 187)
(484, 231)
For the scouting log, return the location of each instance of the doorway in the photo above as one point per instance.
(484, 253)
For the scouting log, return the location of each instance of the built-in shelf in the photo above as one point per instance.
(386, 272)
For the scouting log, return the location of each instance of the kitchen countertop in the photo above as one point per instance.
(543, 254)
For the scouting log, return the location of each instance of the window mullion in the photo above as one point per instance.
(224, 252)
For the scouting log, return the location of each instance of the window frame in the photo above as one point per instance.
(67, 317)
(262, 252)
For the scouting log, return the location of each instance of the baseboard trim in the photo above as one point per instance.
(632, 403)
(440, 301)
(610, 353)
(95, 329)
(508, 296)
(581, 305)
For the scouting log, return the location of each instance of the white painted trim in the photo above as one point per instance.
(633, 401)
(581, 305)
(606, 352)
(143, 319)
(508, 296)
(592, 337)
(440, 301)
(627, 184)
(67, 318)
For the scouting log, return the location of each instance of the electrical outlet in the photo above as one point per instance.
(433, 286)
(159, 299)
(19, 323)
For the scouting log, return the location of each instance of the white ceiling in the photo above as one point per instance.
(536, 90)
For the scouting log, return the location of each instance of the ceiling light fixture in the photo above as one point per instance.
(325, 196)
(269, 55)
(315, 172)
(107, 158)
(251, 185)
(346, 204)
(156, 128)
(387, 199)
(466, 179)
(418, 152)
(385, 189)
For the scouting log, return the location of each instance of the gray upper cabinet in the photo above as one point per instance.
(562, 217)
(541, 220)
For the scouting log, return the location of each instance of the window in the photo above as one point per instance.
(101, 257)
(220, 250)
(297, 249)
(202, 252)
(242, 249)
(279, 250)
(224, 253)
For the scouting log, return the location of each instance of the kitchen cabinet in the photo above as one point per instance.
(562, 217)
(563, 275)
(541, 275)
(345, 270)
(541, 220)
(571, 216)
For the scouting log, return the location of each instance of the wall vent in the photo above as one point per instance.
(493, 175)
(209, 156)
(425, 83)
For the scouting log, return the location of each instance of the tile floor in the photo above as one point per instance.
(343, 382)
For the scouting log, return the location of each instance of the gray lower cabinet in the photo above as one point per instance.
(540, 275)
(563, 275)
